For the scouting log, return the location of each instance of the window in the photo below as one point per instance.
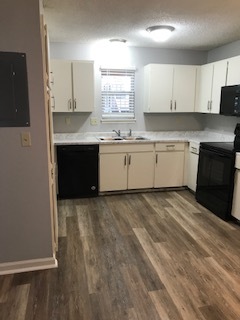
(118, 94)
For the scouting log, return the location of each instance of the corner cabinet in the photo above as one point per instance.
(169, 88)
(126, 166)
(233, 75)
(72, 86)
(211, 78)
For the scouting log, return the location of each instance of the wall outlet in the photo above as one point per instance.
(26, 139)
(93, 121)
(68, 121)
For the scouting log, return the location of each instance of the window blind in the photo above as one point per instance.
(118, 93)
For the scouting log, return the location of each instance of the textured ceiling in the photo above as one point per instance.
(200, 25)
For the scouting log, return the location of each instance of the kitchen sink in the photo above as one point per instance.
(135, 138)
(110, 138)
(125, 138)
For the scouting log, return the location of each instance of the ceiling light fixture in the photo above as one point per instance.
(160, 33)
(118, 41)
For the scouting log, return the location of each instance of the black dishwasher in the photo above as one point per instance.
(77, 171)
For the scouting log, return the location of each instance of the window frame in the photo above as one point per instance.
(121, 116)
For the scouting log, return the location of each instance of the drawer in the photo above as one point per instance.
(170, 146)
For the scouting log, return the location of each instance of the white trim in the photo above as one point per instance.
(28, 265)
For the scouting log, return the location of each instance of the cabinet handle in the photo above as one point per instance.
(75, 104)
(156, 158)
(52, 77)
(125, 160)
(175, 105)
(70, 104)
(129, 160)
(171, 105)
(53, 106)
(210, 105)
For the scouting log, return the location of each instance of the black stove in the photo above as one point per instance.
(215, 178)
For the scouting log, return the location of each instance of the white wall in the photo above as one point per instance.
(133, 56)
(25, 226)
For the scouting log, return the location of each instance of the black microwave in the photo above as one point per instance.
(230, 101)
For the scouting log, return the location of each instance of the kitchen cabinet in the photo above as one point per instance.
(126, 166)
(72, 86)
(233, 75)
(193, 156)
(169, 165)
(211, 78)
(169, 88)
(236, 199)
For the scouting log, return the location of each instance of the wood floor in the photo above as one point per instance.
(137, 256)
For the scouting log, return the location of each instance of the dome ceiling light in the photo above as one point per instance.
(118, 41)
(160, 33)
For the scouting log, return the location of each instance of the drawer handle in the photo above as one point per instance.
(170, 146)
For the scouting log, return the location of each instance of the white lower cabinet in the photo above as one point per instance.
(169, 165)
(126, 166)
(193, 155)
(113, 171)
(236, 193)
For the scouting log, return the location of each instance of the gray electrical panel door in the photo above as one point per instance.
(14, 104)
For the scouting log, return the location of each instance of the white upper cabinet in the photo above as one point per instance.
(72, 86)
(184, 88)
(211, 78)
(233, 75)
(61, 85)
(83, 88)
(158, 80)
(169, 88)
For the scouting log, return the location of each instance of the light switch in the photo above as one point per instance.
(93, 121)
(26, 139)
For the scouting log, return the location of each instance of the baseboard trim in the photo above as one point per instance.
(28, 265)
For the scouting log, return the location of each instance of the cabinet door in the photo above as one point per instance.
(158, 88)
(61, 86)
(169, 169)
(219, 80)
(184, 88)
(233, 75)
(204, 88)
(140, 170)
(192, 171)
(83, 86)
(113, 171)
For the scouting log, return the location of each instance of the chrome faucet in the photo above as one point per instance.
(117, 132)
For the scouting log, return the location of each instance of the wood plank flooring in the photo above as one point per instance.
(145, 256)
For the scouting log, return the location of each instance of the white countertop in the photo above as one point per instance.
(152, 136)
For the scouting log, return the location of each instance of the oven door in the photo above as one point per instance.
(215, 182)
